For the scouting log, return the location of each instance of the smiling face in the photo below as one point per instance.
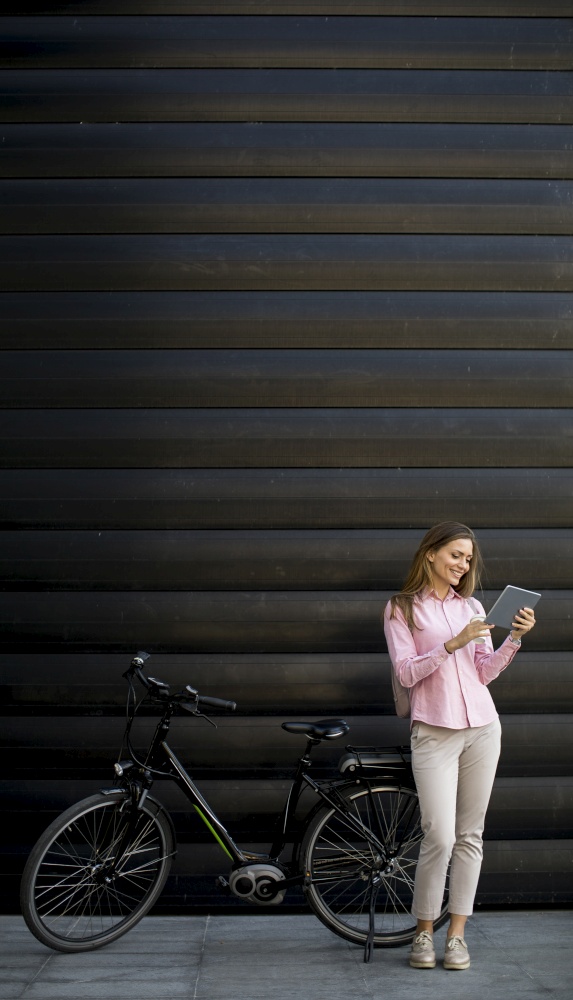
(450, 563)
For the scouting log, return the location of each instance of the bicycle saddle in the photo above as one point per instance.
(324, 729)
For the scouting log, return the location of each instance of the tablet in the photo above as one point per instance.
(506, 607)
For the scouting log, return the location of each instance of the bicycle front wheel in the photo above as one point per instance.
(343, 868)
(96, 871)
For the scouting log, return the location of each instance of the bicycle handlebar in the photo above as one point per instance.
(187, 698)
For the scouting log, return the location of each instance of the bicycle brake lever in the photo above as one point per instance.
(191, 707)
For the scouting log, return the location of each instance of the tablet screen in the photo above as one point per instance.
(506, 607)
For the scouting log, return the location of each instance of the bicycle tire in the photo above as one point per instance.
(339, 865)
(72, 898)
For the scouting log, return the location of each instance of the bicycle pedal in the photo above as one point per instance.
(222, 884)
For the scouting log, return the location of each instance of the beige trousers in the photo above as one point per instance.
(454, 771)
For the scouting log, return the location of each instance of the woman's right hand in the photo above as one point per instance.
(472, 631)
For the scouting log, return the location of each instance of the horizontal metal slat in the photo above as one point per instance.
(496, 263)
(263, 560)
(288, 149)
(533, 746)
(215, 622)
(286, 378)
(335, 319)
(294, 438)
(286, 205)
(526, 808)
(277, 684)
(283, 41)
(400, 95)
(511, 8)
(284, 498)
(513, 872)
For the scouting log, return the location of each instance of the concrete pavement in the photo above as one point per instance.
(521, 954)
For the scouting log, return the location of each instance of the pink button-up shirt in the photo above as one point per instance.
(446, 689)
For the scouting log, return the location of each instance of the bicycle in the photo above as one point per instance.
(102, 864)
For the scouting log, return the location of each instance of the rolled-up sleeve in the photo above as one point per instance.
(410, 666)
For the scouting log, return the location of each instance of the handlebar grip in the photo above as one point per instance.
(229, 706)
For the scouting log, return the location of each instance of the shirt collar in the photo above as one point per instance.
(430, 592)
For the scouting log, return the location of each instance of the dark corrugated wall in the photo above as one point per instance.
(279, 291)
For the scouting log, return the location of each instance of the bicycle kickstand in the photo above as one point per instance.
(375, 884)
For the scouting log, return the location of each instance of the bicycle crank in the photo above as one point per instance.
(258, 884)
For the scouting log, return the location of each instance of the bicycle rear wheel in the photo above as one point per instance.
(96, 871)
(341, 865)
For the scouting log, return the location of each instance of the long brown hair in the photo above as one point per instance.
(420, 575)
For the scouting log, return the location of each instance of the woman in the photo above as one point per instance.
(436, 652)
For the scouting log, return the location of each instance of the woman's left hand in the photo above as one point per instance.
(523, 622)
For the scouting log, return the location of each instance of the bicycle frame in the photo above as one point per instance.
(159, 751)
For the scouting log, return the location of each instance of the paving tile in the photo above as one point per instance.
(538, 944)
(496, 971)
(280, 958)
(169, 934)
(22, 958)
